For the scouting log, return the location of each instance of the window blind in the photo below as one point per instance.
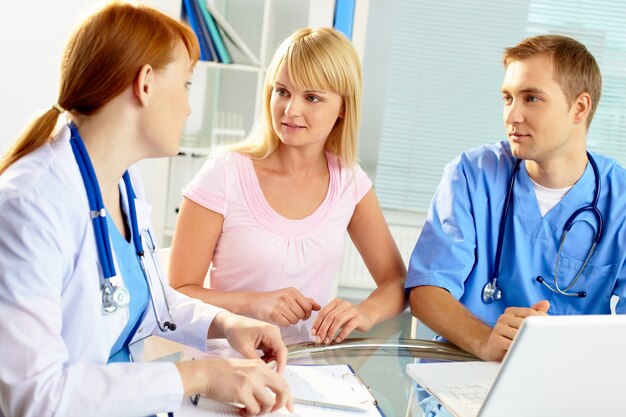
(445, 72)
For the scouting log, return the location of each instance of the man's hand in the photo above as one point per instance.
(506, 329)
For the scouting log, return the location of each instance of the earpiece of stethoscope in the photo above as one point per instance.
(581, 294)
(491, 292)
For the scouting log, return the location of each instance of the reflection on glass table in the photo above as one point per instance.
(381, 364)
(379, 357)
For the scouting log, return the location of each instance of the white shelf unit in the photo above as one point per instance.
(226, 98)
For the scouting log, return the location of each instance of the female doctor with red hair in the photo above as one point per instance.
(79, 279)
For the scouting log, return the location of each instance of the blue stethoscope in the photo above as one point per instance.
(491, 291)
(114, 295)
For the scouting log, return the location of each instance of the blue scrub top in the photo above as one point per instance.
(130, 269)
(456, 249)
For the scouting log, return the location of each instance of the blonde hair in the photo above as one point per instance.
(575, 68)
(101, 59)
(322, 59)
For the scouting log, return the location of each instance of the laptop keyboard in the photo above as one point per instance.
(472, 395)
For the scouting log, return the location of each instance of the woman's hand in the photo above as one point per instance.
(339, 316)
(283, 307)
(247, 335)
(238, 381)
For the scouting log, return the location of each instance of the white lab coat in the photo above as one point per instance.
(54, 339)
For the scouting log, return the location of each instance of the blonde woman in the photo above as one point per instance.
(270, 214)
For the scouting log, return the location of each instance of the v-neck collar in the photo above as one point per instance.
(536, 226)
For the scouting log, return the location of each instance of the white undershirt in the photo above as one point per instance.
(548, 197)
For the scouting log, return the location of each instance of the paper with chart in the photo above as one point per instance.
(328, 383)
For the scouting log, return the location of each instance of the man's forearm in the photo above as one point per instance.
(444, 314)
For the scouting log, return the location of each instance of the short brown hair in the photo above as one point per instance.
(575, 68)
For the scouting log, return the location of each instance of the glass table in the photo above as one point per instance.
(381, 364)
(378, 357)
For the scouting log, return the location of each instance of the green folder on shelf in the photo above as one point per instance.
(222, 52)
(231, 34)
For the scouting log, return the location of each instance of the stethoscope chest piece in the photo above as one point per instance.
(114, 298)
(491, 292)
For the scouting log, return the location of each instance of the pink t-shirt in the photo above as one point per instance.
(260, 250)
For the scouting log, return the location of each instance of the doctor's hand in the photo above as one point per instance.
(506, 329)
(339, 316)
(284, 307)
(241, 381)
(247, 335)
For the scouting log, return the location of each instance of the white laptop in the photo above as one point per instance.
(557, 366)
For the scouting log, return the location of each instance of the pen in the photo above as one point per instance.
(336, 406)
(345, 407)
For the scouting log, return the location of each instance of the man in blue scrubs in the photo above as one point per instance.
(550, 91)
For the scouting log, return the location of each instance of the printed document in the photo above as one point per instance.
(336, 384)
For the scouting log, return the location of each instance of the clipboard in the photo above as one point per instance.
(327, 383)
(330, 383)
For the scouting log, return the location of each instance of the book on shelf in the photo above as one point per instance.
(211, 29)
(222, 52)
(195, 19)
(204, 30)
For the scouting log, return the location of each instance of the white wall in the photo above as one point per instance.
(33, 34)
(32, 37)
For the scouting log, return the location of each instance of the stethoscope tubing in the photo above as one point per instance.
(133, 215)
(90, 182)
(141, 254)
(491, 292)
(503, 218)
(98, 214)
(162, 324)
